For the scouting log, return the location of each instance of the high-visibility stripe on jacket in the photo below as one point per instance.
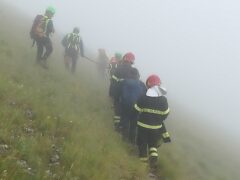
(148, 126)
(47, 25)
(115, 78)
(153, 111)
(46, 20)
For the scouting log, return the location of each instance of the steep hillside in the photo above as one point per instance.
(54, 124)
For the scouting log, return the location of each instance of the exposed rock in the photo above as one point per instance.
(28, 130)
(30, 114)
(3, 148)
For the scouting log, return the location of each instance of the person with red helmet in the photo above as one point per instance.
(153, 109)
(122, 72)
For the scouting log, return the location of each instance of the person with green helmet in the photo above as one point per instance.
(40, 32)
(118, 56)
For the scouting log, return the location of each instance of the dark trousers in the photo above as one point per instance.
(42, 43)
(148, 140)
(70, 59)
(117, 113)
(128, 123)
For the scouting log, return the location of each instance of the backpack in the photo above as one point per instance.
(39, 26)
(71, 41)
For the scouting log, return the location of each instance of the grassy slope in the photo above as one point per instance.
(71, 118)
(45, 114)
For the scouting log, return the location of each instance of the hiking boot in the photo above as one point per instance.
(153, 162)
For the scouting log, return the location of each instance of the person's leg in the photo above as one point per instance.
(39, 50)
(49, 48)
(154, 136)
(117, 113)
(142, 144)
(124, 121)
(133, 127)
(74, 61)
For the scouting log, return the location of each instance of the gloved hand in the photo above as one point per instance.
(167, 140)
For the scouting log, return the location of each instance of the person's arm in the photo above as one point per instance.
(165, 108)
(138, 105)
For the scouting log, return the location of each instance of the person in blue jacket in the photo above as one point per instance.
(131, 89)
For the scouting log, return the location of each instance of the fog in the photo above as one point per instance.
(192, 44)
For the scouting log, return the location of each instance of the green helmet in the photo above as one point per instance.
(51, 9)
(118, 56)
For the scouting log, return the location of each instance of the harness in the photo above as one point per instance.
(73, 41)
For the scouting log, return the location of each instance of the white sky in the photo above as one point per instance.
(192, 44)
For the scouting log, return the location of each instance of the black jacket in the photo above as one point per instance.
(153, 111)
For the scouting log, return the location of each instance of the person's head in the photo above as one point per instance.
(118, 56)
(50, 11)
(129, 58)
(153, 80)
(134, 74)
(76, 30)
(113, 60)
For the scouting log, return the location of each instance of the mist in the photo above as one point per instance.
(192, 45)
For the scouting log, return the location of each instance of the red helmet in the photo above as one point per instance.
(113, 60)
(129, 57)
(153, 80)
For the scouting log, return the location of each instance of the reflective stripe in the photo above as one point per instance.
(148, 126)
(110, 66)
(153, 149)
(154, 154)
(152, 111)
(137, 108)
(117, 121)
(165, 135)
(46, 19)
(116, 78)
(116, 117)
(143, 158)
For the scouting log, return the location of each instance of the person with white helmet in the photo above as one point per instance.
(40, 33)
(73, 45)
(153, 109)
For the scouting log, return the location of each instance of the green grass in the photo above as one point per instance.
(70, 116)
(51, 113)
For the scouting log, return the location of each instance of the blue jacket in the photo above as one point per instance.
(130, 91)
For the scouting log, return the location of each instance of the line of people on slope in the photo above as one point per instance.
(40, 32)
(140, 110)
